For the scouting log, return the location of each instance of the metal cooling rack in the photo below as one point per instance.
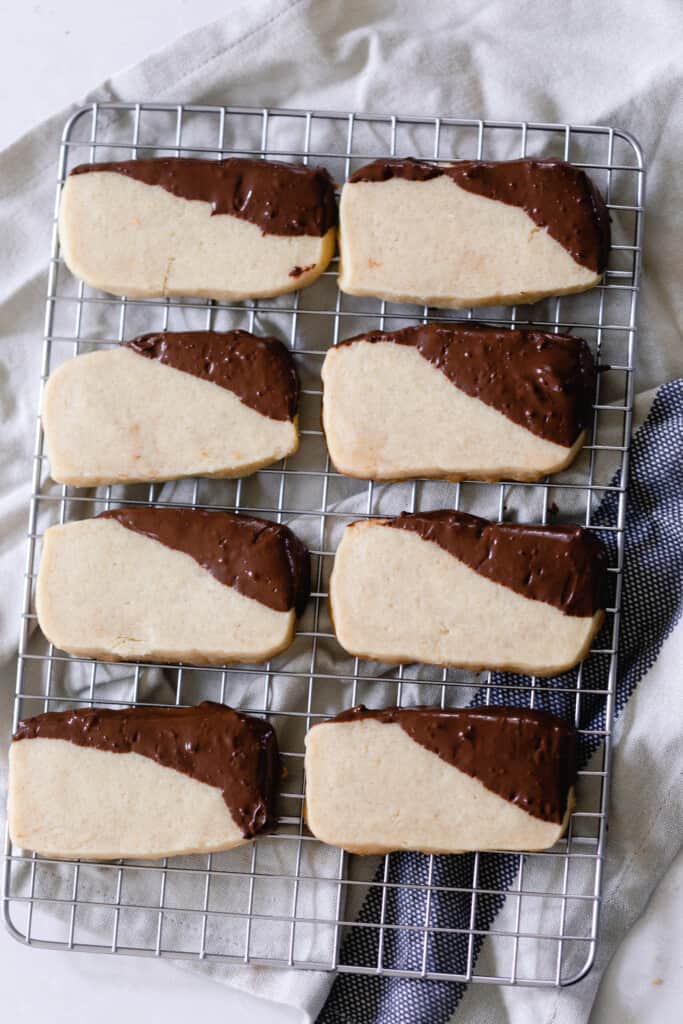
(286, 900)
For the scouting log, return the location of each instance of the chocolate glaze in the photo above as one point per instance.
(565, 566)
(260, 559)
(544, 382)
(211, 743)
(299, 271)
(526, 756)
(281, 199)
(556, 195)
(260, 371)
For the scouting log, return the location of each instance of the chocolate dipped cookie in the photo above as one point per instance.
(471, 233)
(221, 229)
(171, 584)
(457, 401)
(140, 782)
(448, 588)
(440, 781)
(169, 405)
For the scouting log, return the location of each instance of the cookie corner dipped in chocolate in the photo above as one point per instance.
(261, 559)
(556, 195)
(561, 565)
(259, 370)
(525, 755)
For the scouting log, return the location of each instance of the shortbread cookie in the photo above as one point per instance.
(169, 405)
(471, 233)
(141, 782)
(440, 781)
(171, 584)
(448, 588)
(231, 229)
(456, 401)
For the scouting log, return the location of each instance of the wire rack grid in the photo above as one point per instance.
(286, 900)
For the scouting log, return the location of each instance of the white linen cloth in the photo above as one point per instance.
(617, 64)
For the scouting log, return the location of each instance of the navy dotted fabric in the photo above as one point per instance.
(652, 605)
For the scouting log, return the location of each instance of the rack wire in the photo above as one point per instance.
(286, 900)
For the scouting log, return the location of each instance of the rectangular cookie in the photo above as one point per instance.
(456, 401)
(169, 405)
(140, 782)
(471, 233)
(447, 588)
(171, 584)
(222, 229)
(440, 781)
